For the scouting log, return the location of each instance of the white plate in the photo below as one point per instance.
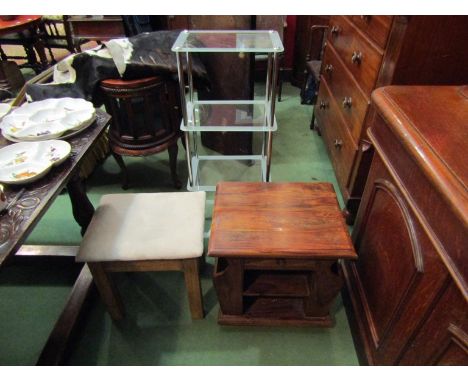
(48, 115)
(24, 172)
(41, 132)
(67, 134)
(74, 104)
(26, 162)
(48, 119)
(77, 119)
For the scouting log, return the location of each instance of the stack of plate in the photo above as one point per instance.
(48, 119)
(26, 162)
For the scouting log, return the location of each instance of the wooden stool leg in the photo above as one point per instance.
(123, 168)
(192, 283)
(107, 290)
(173, 150)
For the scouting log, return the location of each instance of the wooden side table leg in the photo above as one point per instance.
(228, 279)
(325, 284)
(107, 290)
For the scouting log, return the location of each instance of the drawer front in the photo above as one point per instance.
(376, 28)
(360, 56)
(340, 145)
(349, 97)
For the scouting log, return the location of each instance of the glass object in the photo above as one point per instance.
(228, 41)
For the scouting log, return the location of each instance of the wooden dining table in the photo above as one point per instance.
(21, 218)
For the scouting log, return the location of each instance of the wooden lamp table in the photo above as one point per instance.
(277, 247)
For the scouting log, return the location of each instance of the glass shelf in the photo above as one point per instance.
(207, 173)
(228, 116)
(228, 41)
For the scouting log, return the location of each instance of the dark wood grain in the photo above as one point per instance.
(231, 77)
(20, 220)
(277, 246)
(278, 220)
(350, 39)
(343, 87)
(409, 288)
(145, 119)
(56, 347)
(375, 27)
(414, 50)
(338, 140)
(307, 45)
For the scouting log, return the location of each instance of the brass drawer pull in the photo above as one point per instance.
(338, 143)
(324, 105)
(329, 68)
(335, 30)
(347, 102)
(356, 58)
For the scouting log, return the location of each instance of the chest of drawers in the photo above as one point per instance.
(366, 52)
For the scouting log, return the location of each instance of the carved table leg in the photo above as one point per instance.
(83, 209)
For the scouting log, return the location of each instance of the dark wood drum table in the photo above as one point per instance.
(277, 249)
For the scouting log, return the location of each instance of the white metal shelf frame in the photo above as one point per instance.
(228, 115)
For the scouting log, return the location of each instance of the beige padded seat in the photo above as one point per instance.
(145, 232)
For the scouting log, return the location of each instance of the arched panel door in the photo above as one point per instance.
(398, 271)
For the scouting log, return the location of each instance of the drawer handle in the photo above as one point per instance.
(335, 30)
(356, 58)
(329, 68)
(347, 102)
(338, 143)
(366, 18)
(324, 105)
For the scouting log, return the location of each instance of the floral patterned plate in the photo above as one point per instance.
(26, 162)
(48, 119)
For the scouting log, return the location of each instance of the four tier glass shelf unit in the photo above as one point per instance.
(256, 115)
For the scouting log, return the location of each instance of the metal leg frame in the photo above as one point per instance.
(193, 158)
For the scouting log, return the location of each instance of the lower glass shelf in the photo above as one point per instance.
(208, 170)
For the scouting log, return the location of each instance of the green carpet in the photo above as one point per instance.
(158, 329)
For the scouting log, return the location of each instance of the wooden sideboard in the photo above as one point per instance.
(407, 295)
(366, 52)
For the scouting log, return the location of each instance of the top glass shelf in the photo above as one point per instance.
(265, 41)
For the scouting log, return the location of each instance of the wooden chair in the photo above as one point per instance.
(145, 120)
(56, 33)
(146, 232)
(313, 67)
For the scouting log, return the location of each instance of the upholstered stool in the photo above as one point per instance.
(145, 119)
(146, 232)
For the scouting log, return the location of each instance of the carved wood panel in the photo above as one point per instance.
(399, 272)
(443, 337)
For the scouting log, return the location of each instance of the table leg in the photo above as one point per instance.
(83, 209)
(324, 287)
(228, 279)
(39, 46)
